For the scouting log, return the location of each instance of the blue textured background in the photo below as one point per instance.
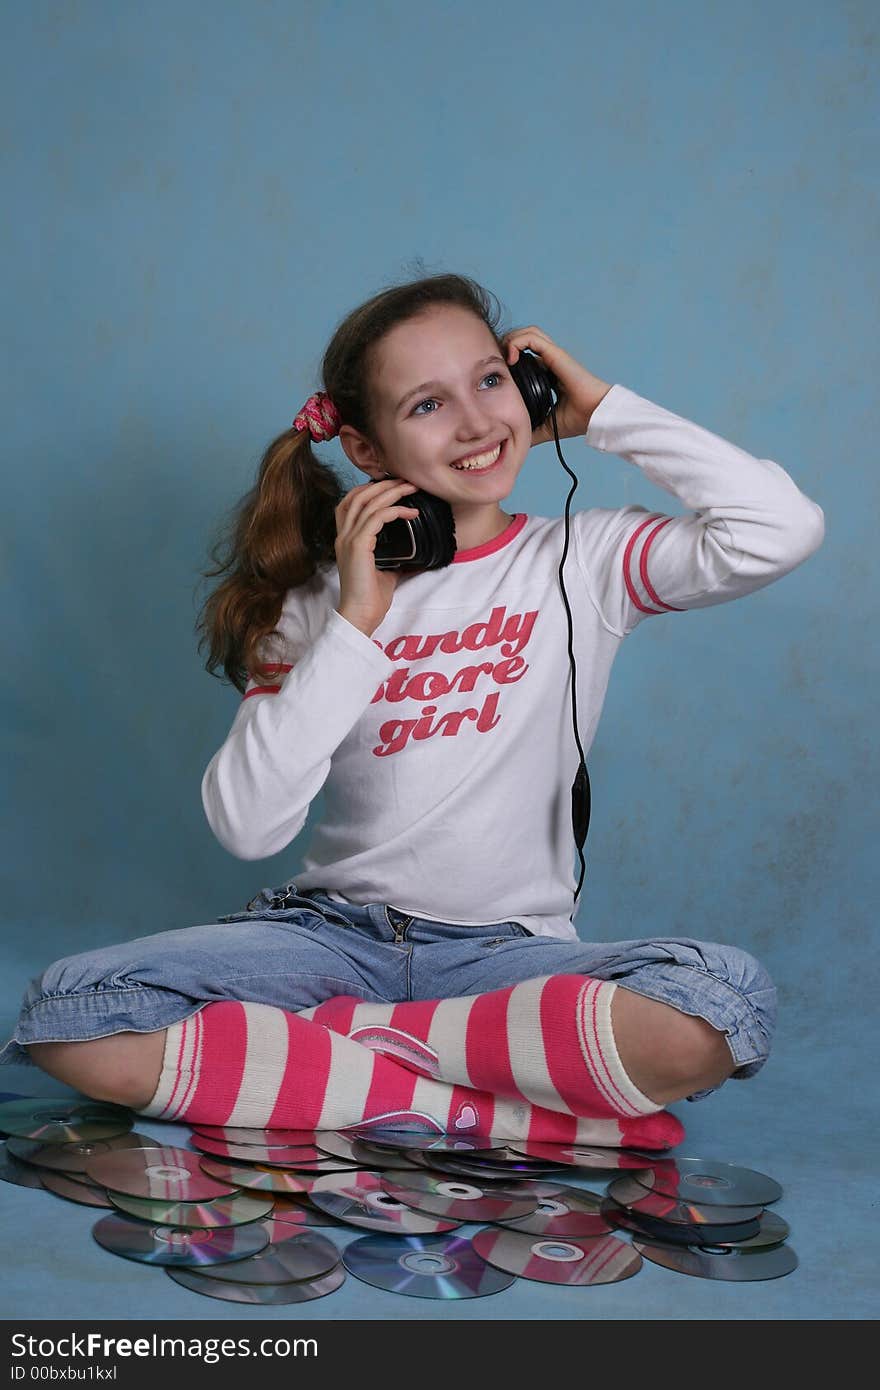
(685, 197)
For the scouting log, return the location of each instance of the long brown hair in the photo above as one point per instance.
(284, 527)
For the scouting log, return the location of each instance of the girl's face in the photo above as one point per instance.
(444, 395)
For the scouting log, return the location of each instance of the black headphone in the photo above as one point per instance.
(427, 541)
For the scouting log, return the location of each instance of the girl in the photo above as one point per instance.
(423, 968)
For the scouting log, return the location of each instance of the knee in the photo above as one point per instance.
(123, 1068)
(700, 1055)
(668, 1053)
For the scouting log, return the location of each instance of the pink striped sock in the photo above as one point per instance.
(264, 1068)
(548, 1040)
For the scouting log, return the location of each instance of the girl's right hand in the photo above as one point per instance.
(365, 592)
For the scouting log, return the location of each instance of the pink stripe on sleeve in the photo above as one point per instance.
(643, 568)
(275, 666)
(627, 557)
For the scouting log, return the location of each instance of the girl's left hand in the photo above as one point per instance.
(579, 391)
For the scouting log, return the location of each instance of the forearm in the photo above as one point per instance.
(759, 509)
(257, 789)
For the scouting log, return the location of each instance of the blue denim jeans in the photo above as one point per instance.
(294, 950)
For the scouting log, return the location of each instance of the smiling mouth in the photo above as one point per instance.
(482, 463)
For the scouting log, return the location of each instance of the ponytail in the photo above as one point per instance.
(274, 539)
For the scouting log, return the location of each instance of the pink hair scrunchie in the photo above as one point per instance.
(319, 416)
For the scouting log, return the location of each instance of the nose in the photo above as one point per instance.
(474, 420)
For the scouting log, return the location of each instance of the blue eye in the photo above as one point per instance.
(430, 399)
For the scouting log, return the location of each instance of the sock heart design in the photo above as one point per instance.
(466, 1117)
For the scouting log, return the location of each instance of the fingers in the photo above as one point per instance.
(369, 499)
(519, 338)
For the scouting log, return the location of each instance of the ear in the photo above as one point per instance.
(361, 452)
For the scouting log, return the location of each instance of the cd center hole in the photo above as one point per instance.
(429, 1264)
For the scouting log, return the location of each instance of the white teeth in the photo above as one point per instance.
(481, 461)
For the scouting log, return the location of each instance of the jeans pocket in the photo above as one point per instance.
(267, 903)
(516, 933)
(310, 918)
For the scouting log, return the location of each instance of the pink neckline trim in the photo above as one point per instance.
(509, 533)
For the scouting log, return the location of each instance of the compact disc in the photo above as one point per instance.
(258, 1179)
(306, 1256)
(552, 1260)
(86, 1193)
(449, 1163)
(279, 1155)
(627, 1192)
(236, 1210)
(19, 1173)
(63, 1121)
(508, 1158)
(575, 1155)
(360, 1200)
(456, 1199)
(338, 1146)
(563, 1211)
(163, 1173)
(729, 1263)
(269, 1138)
(72, 1158)
(772, 1230)
(422, 1139)
(322, 1164)
(424, 1266)
(708, 1182)
(267, 1295)
(375, 1156)
(172, 1245)
(294, 1224)
(672, 1232)
(296, 1212)
(74, 1177)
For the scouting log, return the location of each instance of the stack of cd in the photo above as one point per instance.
(702, 1217)
(50, 1142)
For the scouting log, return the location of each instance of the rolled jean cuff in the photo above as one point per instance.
(91, 1014)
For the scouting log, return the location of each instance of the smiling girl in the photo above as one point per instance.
(423, 969)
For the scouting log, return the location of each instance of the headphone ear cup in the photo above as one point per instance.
(536, 382)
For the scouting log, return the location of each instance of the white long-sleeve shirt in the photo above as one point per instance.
(444, 741)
